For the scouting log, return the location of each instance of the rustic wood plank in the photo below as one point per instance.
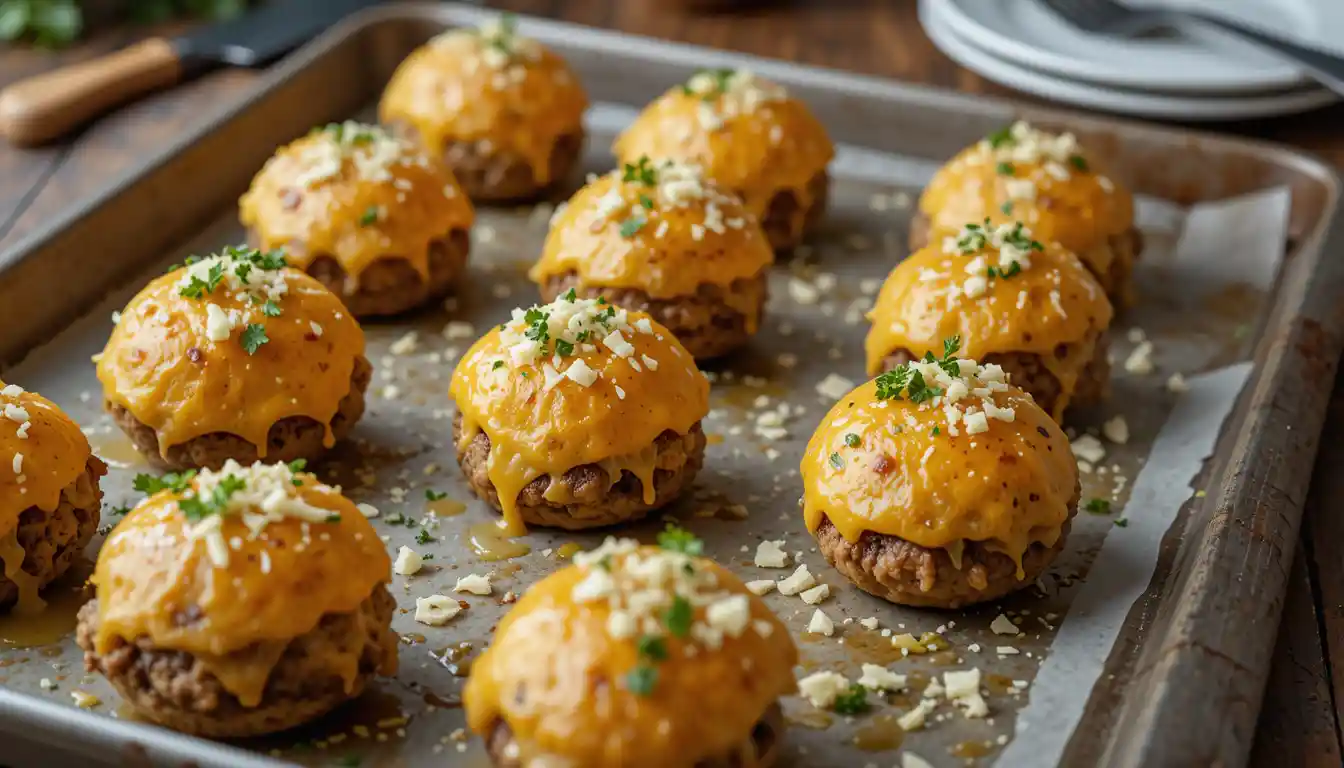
(1298, 723)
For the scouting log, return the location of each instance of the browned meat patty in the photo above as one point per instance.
(492, 175)
(390, 285)
(1027, 372)
(1118, 280)
(52, 540)
(295, 437)
(907, 574)
(704, 323)
(759, 750)
(785, 223)
(174, 689)
(586, 497)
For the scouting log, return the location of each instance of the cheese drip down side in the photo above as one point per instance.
(235, 586)
(671, 693)
(181, 366)
(42, 452)
(599, 390)
(502, 91)
(1045, 180)
(1050, 306)
(940, 472)
(749, 135)
(661, 228)
(354, 193)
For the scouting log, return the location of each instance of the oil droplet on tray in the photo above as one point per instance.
(879, 734)
(490, 542)
(115, 448)
(445, 507)
(64, 598)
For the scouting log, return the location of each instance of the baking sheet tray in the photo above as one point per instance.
(1203, 629)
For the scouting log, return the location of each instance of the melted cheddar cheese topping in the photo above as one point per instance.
(978, 462)
(747, 134)
(1046, 181)
(188, 359)
(1000, 292)
(42, 451)
(633, 655)
(574, 382)
(490, 86)
(662, 229)
(356, 194)
(230, 566)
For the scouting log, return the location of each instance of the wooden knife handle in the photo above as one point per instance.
(47, 106)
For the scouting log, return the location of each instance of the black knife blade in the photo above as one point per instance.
(260, 36)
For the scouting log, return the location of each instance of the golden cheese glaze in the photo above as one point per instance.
(489, 86)
(749, 135)
(356, 194)
(1008, 486)
(162, 365)
(42, 451)
(1046, 181)
(558, 675)
(1054, 309)
(546, 413)
(692, 235)
(156, 569)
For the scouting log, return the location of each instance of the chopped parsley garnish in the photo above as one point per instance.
(852, 440)
(334, 517)
(570, 295)
(356, 136)
(537, 328)
(890, 384)
(1011, 271)
(423, 537)
(1004, 169)
(1079, 162)
(640, 172)
(370, 216)
(1098, 506)
(646, 201)
(502, 41)
(652, 647)
(1122, 522)
(297, 465)
(433, 495)
(120, 511)
(253, 337)
(563, 348)
(719, 76)
(919, 390)
(498, 364)
(1019, 240)
(1007, 208)
(936, 431)
(975, 239)
(270, 309)
(197, 508)
(678, 617)
(198, 288)
(677, 539)
(274, 259)
(642, 679)
(837, 461)
(176, 482)
(852, 702)
(1001, 137)
(632, 225)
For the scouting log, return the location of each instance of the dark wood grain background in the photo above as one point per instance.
(1300, 720)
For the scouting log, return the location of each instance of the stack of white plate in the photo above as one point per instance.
(1023, 45)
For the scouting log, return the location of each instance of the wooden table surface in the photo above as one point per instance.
(1304, 703)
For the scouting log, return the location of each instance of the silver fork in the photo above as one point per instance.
(1110, 17)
